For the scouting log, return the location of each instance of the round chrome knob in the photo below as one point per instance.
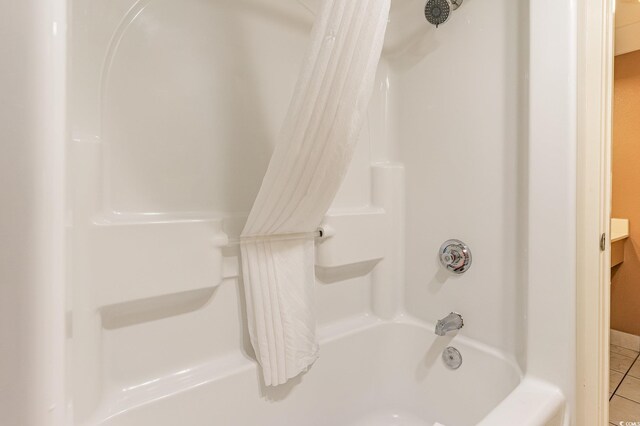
(452, 358)
(455, 256)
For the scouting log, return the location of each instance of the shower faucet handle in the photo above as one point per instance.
(455, 256)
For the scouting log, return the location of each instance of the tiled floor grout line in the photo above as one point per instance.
(624, 397)
(622, 380)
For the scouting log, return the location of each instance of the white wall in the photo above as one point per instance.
(31, 218)
(486, 125)
(175, 108)
(462, 134)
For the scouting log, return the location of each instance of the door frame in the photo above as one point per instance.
(595, 95)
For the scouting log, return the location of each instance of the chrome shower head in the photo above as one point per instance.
(437, 11)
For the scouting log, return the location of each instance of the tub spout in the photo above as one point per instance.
(453, 321)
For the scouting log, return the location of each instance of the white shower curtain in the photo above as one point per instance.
(311, 157)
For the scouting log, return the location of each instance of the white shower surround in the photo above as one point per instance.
(472, 125)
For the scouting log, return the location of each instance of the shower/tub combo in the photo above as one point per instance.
(175, 110)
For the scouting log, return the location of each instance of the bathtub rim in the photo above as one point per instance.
(112, 405)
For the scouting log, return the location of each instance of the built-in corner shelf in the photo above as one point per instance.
(619, 233)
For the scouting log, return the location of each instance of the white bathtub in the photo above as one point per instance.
(370, 373)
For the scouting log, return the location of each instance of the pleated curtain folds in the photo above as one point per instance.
(310, 160)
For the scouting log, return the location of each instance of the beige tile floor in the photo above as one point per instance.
(624, 386)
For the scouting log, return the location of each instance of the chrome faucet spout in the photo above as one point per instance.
(453, 321)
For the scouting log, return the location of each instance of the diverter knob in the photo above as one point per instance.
(455, 256)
